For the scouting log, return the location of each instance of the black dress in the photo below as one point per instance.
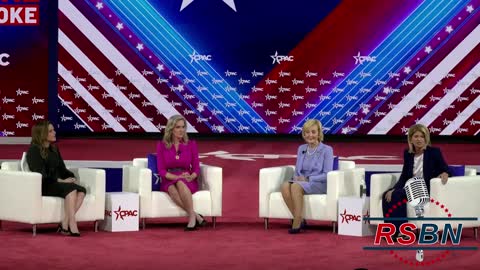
(52, 168)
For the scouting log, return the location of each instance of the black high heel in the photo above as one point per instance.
(72, 234)
(188, 229)
(203, 223)
(61, 230)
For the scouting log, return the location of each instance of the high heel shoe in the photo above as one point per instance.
(294, 230)
(72, 234)
(203, 223)
(303, 225)
(61, 230)
(188, 229)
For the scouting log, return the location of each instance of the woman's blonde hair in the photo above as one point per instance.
(421, 128)
(40, 135)
(168, 135)
(310, 123)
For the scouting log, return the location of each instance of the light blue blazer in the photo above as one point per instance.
(322, 164)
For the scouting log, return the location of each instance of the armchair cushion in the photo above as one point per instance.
(152, 165)
(457, 170)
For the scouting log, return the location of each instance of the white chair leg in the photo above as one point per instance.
(266, 223)
(334, 226)
(95, 226)
(475, 233)
(143, 223)
(34, 229)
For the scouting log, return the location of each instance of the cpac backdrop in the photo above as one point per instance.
(231, 66)
(24, 53)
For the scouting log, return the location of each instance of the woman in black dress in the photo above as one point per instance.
(57, 181)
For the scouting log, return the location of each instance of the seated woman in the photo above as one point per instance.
(44, 157)
(419, 160)
(178, 165)
(314, 161)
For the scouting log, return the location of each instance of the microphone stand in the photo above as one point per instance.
(419, 210)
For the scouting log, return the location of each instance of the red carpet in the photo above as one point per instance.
(239, 241)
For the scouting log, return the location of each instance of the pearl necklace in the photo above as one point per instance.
(311, 153)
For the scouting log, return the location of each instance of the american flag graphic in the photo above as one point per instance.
(360, 67)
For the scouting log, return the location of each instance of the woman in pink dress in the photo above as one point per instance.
(179, 168)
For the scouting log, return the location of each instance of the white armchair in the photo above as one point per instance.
(154, 204)
(459, 195)
(343, 182)
(21, 197)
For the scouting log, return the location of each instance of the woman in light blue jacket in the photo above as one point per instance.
(314, 161)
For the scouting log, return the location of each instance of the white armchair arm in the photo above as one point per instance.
(11, 166)
(460, 197)
(139, 180)
(212, 179)
(342, 183)
(270, 181)
(20, 196)
(379, 183)
(94, 181)
(470, 172)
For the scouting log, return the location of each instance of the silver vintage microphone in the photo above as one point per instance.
(417, 195)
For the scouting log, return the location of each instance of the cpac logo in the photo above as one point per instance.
(122, 213)
(21, 125)
(217, 112)
(268, 81)
(462, 99)
(405, 83)
(106, 95)
(282, 89)
(297, 113)
(36, 100)
(296, 82)
(379, 113)
(228, 73)
(256, 120)
(256, 74)
(360, 59)
(229, 88)
(187, 81)
(66, 103)
(390, 90)
(160, 80)
(230, 104)
(310, 89)
(187, 112)
(324, 82)
(337, 121)
(363, 74)
(217, 96)
(120, 119)
(201, 119)
(322, 97)
(132, 127)
(217, 81)
(257, 89)
(338, 74)
(337, 105)
(474, 122)
(296, 129)
(282, 105)
(420, 75)
(434, 130)
(203, 73)
(447, 122)
(199, 57)
(420, 106)
(393, 74)
(19, 15)
(8, 116)
(350, 114)
(270, 128)
(174, 73)
(64, 118)
(217, 128)
(188, 97)
(378, 98)
(380, 82)
(202, 88)
(350, 98)
(474, 91)
(350, 82)
(65, 87)
(79, 126)
(93, 118)
(178, 88)
(268, 112)
(365, 121)
(462, 130)
(365, 90)
(243, 128)
(295, 97)
(243, 112)
(21, 92)
(6, 100)
(244, 96)
(281, 58)
(449, 75)
(309, 74)
(230, 120)
(346, 218)
(37, 117)
(323, 113)
(3, 61)
(6, 133)
(256, 104)
(270, 97)
(21, 109)
(309, 105)
(283, 121)
(93, 87)
(242, 81)
(337, 90)
(105, 126)
(173, 103)
(82, 79)
(284, 74)
(133, 96)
